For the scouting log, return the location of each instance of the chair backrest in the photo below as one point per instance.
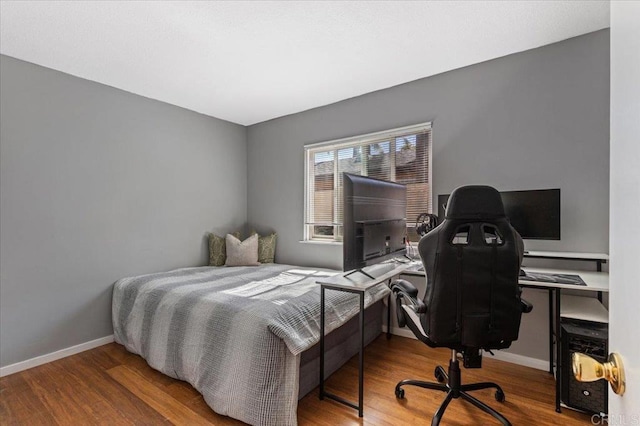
(472, 262)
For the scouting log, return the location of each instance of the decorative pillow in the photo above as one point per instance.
(266, 247)
(218, 249)
(243, 253)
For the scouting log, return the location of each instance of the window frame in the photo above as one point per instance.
(348, 142)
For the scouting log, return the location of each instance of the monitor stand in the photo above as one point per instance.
(361, 271)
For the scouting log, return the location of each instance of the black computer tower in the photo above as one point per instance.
(589, 338)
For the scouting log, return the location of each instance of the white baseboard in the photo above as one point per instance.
(403, 332)
(53, 356)
(538, 364)
(527, 361)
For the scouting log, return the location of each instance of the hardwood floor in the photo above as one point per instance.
(108, 385)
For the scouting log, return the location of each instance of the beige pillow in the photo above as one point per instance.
(242, 253)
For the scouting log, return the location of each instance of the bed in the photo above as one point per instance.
(244, 337)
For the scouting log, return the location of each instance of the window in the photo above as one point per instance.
(400, 155)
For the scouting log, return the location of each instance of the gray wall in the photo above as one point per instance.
(536, 119)
(97, 184)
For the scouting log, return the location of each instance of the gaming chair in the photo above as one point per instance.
(472, 301)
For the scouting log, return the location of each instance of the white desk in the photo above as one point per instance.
(583, 308)
(599, 258)
(575, 307)
(567, 255)
(595, 281)
(357, 283)
(360, 282)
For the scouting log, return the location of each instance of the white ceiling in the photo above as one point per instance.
(248, 62)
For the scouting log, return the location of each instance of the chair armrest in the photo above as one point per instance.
(406, 290)
(526, 306)
(406, 287)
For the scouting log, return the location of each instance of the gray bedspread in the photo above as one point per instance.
(234, 333)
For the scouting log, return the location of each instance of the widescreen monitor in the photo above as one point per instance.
(374, 225)
(535, 214)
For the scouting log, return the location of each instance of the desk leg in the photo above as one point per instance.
(389, 316)
(328, 395)
(599, 269)
(361, 358)
(551, 330)
(321, 342)
(558, 352)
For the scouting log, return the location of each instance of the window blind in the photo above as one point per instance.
(399, 155)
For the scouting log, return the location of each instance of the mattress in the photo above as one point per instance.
(236, 334)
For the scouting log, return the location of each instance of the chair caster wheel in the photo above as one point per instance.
(400, 393)
(438, 375)
(499, 396)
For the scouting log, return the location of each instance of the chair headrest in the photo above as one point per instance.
(475, 202)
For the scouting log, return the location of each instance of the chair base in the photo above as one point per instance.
(450, 383)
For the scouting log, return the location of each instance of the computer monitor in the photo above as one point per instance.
(374, 225)
(535, 214)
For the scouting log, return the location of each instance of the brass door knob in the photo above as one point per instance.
(587, 369)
